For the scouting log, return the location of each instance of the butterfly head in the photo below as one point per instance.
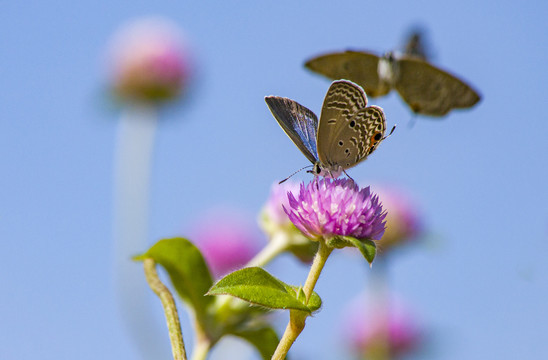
(327, 171)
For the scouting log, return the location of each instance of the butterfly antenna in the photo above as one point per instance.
(387, 136)
(287, 178)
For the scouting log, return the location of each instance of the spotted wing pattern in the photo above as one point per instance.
(298, 122)
(348, 130)
(353, 141)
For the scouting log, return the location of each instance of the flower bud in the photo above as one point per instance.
(149, 63)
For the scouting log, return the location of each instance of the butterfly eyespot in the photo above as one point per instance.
(341, 143)
(352, 123)
(347, 151)
(377, 136)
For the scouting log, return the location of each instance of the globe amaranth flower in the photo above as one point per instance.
(403, 222)
(329, 208)
(386, 330)
(276, 224)
(227, 239)
(149, 63)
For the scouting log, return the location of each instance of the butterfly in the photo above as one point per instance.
(348, 130)
(427, 89)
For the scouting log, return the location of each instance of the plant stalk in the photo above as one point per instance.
(297, 318)
(170, 310)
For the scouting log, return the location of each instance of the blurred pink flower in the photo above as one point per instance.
(382, 330)
(403, 222)
(149, 62)
(273, 208)
(226, 238)
(276, 224)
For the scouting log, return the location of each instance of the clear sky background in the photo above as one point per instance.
(480, 285)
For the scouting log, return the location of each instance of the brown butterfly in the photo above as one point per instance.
(427, 89)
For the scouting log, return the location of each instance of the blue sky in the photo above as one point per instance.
(480, 175)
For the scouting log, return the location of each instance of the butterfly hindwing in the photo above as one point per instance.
(354, 140)
(431, 91)
(298, 122)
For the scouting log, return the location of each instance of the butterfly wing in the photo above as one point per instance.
(353, 141)
(298, 122)
(343, 101)
(432, 91)
(359, 67)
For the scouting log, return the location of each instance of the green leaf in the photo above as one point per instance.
(366, 247)
(258, 287)
(264, 339)
(186, 268)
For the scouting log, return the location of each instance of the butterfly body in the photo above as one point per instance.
(348, 130)
(427, 89)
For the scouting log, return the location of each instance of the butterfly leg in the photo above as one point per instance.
(344, 171)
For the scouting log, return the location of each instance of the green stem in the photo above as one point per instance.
(297, 318)
(315, 270)
(170, 310)
(294, 328)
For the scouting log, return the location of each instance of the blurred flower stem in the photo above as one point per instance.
(277, 245)
(137, 129)
(297, 318)
(170, 310)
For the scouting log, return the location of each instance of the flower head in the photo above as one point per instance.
(403, 222)
(329, 208)
(149, 62)
(226, 239)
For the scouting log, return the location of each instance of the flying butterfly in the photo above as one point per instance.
(427, 89)
(348, 130)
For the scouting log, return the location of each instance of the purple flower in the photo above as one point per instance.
(227, 240)
(329, 208)
(148, 61)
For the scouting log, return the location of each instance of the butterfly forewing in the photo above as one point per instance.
(360, 67)
(298, 122)
(342, 102)
(432, 91)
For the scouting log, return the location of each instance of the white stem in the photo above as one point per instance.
(132, 176)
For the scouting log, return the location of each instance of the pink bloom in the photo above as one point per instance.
(276, 224)
(227, 240)
(403, 222)
(149, 61)
(384, 331)
(328, 208)
(274, 207)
